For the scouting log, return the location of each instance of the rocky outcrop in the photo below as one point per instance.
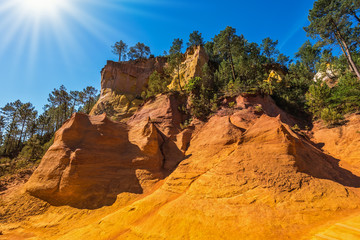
(341, 142)
(262, 183)
(122, 83)
(248, 108)
(94, 159)
(163, 112)
(243, 174)
(194, 60)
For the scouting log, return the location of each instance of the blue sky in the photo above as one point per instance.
(69, 43)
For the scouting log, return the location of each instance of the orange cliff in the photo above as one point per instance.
(244, 174)
(123, 82)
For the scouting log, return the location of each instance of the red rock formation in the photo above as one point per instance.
(164, 112)
(93, 159)
(244, 174)
(265, 183)
(122, 83)
(342, 142)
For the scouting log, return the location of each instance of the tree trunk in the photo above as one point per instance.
(232, 64)
(352, 63)
(355, 16)
(22, 131)
(345, 49)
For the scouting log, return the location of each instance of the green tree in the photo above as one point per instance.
(44, 124)
(88, 98)
(283, 59)
(58, 107)
(195, 39)
(225, 45)
(76, 100)
(120, 48)
(11, 116)
(157, 84)
(176, 57)
(351, 7)
(317, 98)
(33, 149)
(26, 116)
(268, 47)
(329, 22)
(140, 50)
(309, 55)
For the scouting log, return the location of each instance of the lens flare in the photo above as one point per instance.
(41, 7)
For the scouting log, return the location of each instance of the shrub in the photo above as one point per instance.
(330, 116)
(258, 109)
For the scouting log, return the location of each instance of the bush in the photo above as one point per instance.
(331, 117)
(33, 150)
(157, 84)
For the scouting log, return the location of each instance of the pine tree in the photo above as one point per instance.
(195, 39)
(225, 44)
(120, 48)
(330, 22)
(309, 55)
(140, 50)
(268, 47)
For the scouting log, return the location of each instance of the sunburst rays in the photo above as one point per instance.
(32, 28)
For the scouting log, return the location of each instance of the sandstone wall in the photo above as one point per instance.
(122, 83)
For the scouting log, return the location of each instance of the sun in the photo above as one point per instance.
(39, 8)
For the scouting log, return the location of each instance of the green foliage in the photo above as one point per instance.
(345, 97)
(259, 109)
(120, 48)
(139, 51)
(309, 55)
(88, 98)
(283, 59)
(203, 101)
(195, 39)
(23, 133)
(33, 150)
(295, 128)
(331, 116)
(331, 21)
(290, 92)
(157, 84)
(268, 48)
(317, 98)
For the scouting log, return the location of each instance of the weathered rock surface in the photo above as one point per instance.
(163, 112)
(244, 174)
(342, 142)
(264, 183)
(195, 58)
(94, 159)
(122, 83)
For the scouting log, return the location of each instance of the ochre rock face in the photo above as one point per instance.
(244, 174)
(130, 77)
(94, 159)
(163, 112)
(123, 82)
(342, 142)
(266, 182)
(194, 60)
